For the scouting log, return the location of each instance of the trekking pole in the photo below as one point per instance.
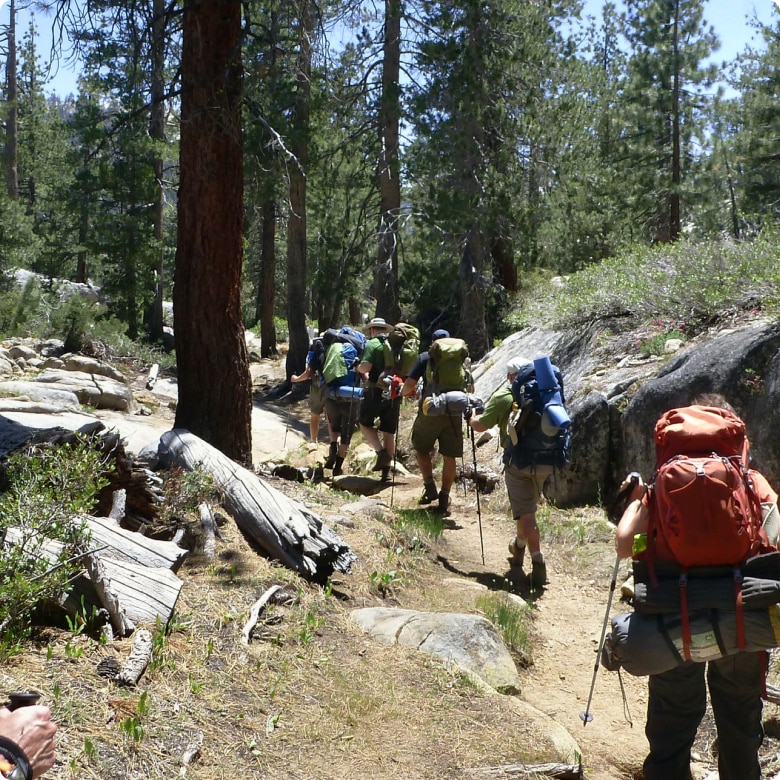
(476, 488)
(613, 516)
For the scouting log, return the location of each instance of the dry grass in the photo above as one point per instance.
(310, 697)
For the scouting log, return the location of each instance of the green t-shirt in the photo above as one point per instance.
(374, 353)
(497, 412)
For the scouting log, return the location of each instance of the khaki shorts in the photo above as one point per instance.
(448, 431)
(524, 486)
(317, 397)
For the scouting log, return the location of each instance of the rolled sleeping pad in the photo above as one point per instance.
(550, 392)
(651, 644)
(345, 393)
(710, 593)
(453, 402)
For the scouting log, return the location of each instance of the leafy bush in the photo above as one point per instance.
(39, 540)
(691, 282)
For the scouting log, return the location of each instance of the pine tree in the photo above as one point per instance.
(664, 108)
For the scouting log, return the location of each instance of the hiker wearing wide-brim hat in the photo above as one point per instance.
(373, 406)
(378, 325)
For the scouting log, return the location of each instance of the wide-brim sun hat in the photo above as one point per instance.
(378, 323)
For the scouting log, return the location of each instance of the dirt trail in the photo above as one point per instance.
(567, 627)
(569, 617)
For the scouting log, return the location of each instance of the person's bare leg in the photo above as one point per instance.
(314, 427)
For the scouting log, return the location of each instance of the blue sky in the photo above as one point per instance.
(728, 17)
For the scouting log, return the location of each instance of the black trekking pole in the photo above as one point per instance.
(476, 488)
(613, 517)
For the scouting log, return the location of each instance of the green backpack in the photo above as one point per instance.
(401, 347)
(447, 365)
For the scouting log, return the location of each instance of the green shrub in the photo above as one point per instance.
(41, 540)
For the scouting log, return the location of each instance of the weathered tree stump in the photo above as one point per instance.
(283, 528)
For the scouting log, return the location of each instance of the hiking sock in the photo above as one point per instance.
(517, 552)
(337, 466)
(430, 494)
(332, 453)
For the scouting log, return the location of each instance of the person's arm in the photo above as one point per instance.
(364, 369)
(409, 387)
(302, 377)
(31, 729)
(477, 424)
(633, 521)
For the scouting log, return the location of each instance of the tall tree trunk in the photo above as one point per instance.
(296, 223)
(386, 279)
(472, 326)
(215, 399)
(157, 133)
(267, 291)
(12, 125)
(674, 195)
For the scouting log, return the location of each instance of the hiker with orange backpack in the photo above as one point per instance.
(705, 507)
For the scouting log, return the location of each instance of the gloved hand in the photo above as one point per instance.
(759, 594)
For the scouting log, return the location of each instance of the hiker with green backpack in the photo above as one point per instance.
(443, 368)
(389, 354)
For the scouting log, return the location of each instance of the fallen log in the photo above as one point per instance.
(283, 528)
(532, 771)
(138, 660)
(143, 586)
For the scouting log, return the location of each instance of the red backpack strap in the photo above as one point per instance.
(652, 521)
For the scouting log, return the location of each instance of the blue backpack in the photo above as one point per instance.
(343, 352)
(539, 426)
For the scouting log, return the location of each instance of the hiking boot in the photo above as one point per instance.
(386, 474)
(444, 504)
(383, 460)
(516, 555)
(430, 494)
(538, 578)
(330, 461)
(337, 471)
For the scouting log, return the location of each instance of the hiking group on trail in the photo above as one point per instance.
(702, 532)
(364, 384)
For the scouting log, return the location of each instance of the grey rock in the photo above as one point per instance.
(470, 641)
(100, 392)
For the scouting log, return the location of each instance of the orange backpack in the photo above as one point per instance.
(703, 507)
(704, 510)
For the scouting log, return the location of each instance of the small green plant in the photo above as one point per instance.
(385, 582)
(752, 382)
(73, 652)
(90, 750)
(307, 632)
(48, 488)
(655, 344)
(511, 620)
(420, 522)
(133, 728)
